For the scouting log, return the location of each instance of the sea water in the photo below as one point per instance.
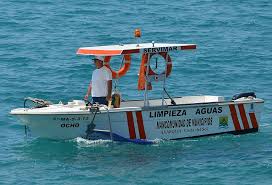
(39, 40)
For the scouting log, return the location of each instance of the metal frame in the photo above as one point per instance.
(146, 102)
(148, 80)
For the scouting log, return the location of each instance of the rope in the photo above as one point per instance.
(172, 101)
(40, 102)
(91, 126)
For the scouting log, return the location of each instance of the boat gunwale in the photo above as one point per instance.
(146, 108)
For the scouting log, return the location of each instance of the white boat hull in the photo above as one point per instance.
(145, 124)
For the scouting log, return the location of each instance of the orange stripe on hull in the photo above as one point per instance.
(140, 124)
(234, 117)
(243, 116)
(253, 120)
(131, 127)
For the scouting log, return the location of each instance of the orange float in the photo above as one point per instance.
(122, 71)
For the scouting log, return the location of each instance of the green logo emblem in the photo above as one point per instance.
(223, 122)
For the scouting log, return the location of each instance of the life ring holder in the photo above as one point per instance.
(167, 59)
(123, 70)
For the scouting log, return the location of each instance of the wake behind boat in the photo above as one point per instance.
(144, 120)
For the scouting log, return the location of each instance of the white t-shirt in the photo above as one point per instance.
(99, 82)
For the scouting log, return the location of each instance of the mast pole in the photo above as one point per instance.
(164, 78)
(146, 103)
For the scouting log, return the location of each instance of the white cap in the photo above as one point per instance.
(98, 58)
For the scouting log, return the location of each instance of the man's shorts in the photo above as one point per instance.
(100, 100)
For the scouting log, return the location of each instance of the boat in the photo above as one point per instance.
(145, 120)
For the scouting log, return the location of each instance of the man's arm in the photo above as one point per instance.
(88, 91)
(109, 83)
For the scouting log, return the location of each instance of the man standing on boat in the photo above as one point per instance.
(101, 84)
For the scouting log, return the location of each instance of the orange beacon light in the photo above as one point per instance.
(137, 33)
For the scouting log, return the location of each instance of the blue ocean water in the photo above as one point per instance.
(38, 42)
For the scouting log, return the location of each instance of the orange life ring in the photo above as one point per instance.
(167, 59)
(143, 69)
(123, 70)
